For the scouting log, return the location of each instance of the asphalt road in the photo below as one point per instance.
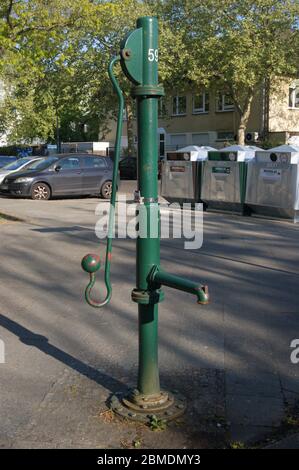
(62, 359)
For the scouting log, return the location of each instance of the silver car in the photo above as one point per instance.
(18, 165)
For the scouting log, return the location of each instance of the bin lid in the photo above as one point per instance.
(197, 152)
(282, 154)
(285, 149)
(244, 152)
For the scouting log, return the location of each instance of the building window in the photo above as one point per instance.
(177, 141)
(179, 105)
(200, 139)
(200, 103)
(224, 136)
(161, 108)
(224, 102)
(294, 96)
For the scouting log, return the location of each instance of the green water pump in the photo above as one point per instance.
(139, 61)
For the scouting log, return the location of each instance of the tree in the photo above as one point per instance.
(22, 120)
(33, 45)
(237, 46)
(57, 52)
(63, 58)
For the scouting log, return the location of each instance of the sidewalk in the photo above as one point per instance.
(231, 359)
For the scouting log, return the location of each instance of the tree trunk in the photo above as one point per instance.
(58, 143)
(244, 118)
(241, 134)
(130, 127)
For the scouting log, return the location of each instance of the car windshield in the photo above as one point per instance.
(42, 164)
(16, 164)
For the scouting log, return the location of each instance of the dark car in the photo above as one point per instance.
(62, 175)
(6, 159)
(128, 168)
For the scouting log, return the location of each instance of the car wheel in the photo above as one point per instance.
(106, 190)
(40, 191)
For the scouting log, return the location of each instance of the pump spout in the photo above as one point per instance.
(158, 277)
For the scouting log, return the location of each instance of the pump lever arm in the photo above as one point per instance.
(91, 262)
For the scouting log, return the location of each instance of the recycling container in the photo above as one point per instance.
(182, 174)
(224, 178)
(273, 183)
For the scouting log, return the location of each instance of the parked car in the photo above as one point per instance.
(17, 165)
(5, 159)
(67, 174)
(128, 168)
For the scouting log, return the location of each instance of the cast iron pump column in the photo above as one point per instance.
(139, 61)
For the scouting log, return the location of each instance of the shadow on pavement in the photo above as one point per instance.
(41, 342)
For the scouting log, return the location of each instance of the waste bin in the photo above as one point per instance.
(181, 176)
(224, 178)
(273, 183)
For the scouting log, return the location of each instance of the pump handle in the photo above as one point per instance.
(91, 262)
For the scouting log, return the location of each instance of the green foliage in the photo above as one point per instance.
(237, 445)
(34, 45)
(137, 443)
(25, 118)
(157, 424)
(54, 56)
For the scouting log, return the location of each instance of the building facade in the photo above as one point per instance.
(209, 118)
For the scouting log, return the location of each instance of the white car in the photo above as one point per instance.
(20, 164)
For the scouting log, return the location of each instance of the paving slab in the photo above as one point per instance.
(255, 410)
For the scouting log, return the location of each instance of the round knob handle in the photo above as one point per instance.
(91, 263)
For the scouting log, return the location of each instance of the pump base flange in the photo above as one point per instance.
(166, 407)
